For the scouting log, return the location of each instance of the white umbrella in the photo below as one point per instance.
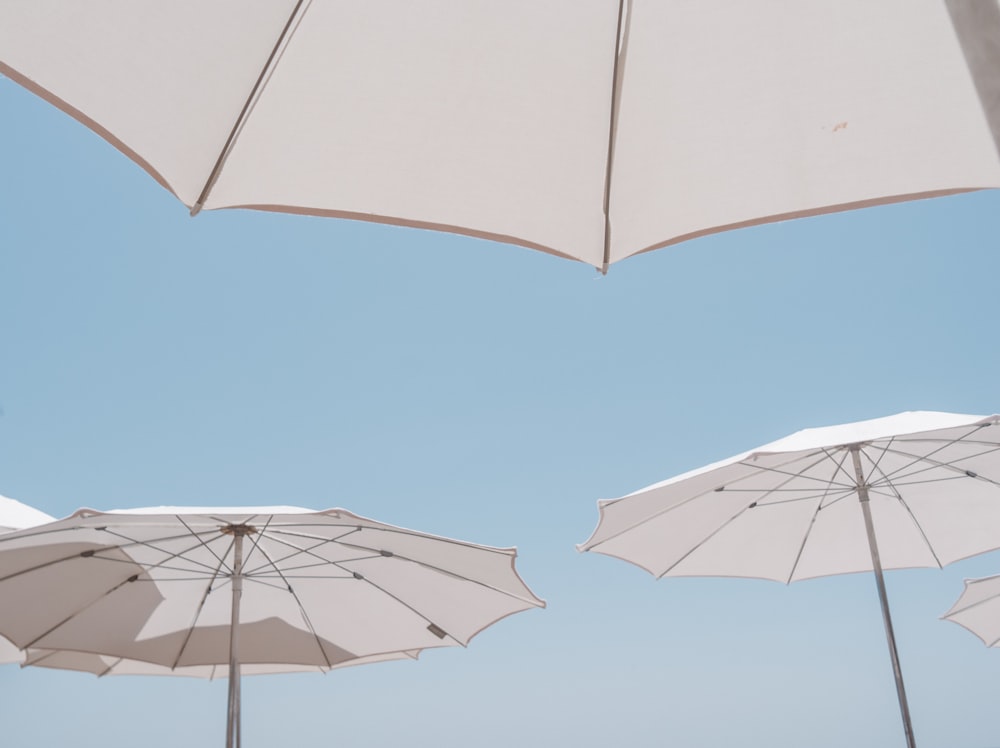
(978, 609)
(917, 489)
(267, 586)
(590, 129)
(15, 515)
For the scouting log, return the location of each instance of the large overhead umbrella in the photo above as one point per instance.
(590, 129)
(978, 609)
(267, 587)
(917, 489)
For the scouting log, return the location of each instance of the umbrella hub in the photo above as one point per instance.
(238, 530)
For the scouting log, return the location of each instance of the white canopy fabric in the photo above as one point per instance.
(911, 490)
(789, 510)
(188, 589)
(351, 586)
(16, 516)
(590, 129)
(978, 609)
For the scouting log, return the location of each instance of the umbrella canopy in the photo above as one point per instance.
(917, 489)
(15, 516)
(978, 609)
(592, 130)
(267, 586)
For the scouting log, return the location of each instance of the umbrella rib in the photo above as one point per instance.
(884, 451)
(621, 47)
(109, 668)
(198, 537)
(899, 497)
(380, 588)
(916, 439)
(257, 536)
(702, 542)
(297, 552)
(46, 564)
(353, 527)
(824, 454)
(812, 522)
(927, 482)
(396, 531)
(938, 464)
(197, 613)
(73, 615)
(264, 579)
(29, 532)
(320, 542)
(852, 481)
(170, 580)
(453, 575)
(717, 530)
(918, 458)
(789, 478)
(777, 490)
(258, 87)
(302, 609)
(259, 571)
(810, 497)
(805, 539)
(757, 470)
(431, 567)
(839, 468)
(308, 552)
(268, 581)
(970, 606)
(146, 567)
(170, 555)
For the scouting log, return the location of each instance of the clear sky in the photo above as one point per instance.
(493, 394)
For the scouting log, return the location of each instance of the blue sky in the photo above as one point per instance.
(493, 394)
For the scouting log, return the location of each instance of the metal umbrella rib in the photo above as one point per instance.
(258, 87)
(895, 493)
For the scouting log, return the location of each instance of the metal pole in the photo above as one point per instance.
(233, 724)
(862, 488)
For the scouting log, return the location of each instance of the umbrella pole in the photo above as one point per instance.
(233, 723)
(862, 488)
